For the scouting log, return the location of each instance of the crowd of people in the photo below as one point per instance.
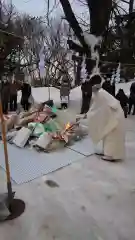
(9, 91)
(127, 102)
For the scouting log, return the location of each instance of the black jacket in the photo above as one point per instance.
(121, 96)
(86, 88)
(109, 88)
(132, 92)
(26, 91)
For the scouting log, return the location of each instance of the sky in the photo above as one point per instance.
(38, 7)
(33, 7)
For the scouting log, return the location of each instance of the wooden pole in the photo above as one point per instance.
(3, 130)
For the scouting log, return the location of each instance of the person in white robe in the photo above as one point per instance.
(106, 122)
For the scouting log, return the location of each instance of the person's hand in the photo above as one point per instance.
(81, 116)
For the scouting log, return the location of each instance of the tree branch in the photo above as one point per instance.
(73, 22)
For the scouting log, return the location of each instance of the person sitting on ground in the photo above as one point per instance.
(123, 99)
(26, 93)
(132, 99)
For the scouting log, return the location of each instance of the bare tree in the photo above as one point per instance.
(10, 40)
(98, 25)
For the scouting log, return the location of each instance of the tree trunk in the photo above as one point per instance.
(131, 5)
(73, 22)
(99, 15)
(99, 19)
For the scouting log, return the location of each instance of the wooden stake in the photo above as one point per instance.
(3, 130)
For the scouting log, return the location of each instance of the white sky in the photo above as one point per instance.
(38, 7)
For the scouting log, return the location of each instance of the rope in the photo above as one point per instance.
(106, 62)
(12, 34)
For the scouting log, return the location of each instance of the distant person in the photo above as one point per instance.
(123, 99)
(26, 93)
(65, 91)
(132, 99)
(13, 95)
(5, 96)
(86, 96)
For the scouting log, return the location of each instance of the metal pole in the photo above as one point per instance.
(49, 94)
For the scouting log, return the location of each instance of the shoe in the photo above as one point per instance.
(110, 159)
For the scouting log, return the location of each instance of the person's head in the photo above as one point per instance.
(121, 91)
(96, 82)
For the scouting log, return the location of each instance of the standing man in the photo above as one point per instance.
(86, 96)
(5, 96)
(13, 95)
(26, 92)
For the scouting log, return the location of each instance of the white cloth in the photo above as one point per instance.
(105, 122)
(64, 99)
(113, 143)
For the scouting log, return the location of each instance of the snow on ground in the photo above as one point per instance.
(94, 199)
(41, 94)
(124, 86)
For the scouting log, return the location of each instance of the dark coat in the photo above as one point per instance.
(122, 98)
(14, 88)
(132, 88)
(86, 88)
(109, 88)
(26, 91)
(132, 92)
(5, 93)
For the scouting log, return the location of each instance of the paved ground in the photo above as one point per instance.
(95, 200)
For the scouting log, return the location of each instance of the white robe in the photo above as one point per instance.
(106, 122)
